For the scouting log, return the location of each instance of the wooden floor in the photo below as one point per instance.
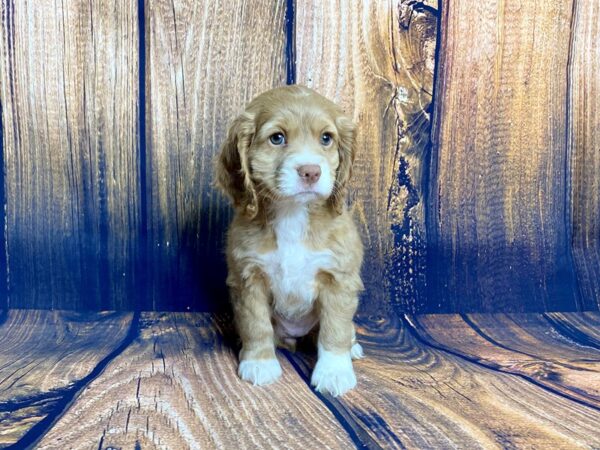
(168, 380)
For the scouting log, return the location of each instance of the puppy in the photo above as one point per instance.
(293, 251)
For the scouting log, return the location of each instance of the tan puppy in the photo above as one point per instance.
(293, 251)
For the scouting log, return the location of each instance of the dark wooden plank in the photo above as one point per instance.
(376, 60)
(176, 387)
(583, 144)
(413, 395)
(496, 213)
(525, 344)
(205, 61)
(3, 259)
(583, 328)
(68, 88)
(44, 355)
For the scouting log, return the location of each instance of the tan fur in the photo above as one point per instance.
(247, 170)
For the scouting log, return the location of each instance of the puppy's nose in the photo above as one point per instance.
(310, 173)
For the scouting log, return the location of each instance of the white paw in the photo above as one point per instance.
(333, 373)
(357, 351)
(259, 371)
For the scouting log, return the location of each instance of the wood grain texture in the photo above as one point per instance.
(427, 382)
(205, 61)
(525, 344)
(43, 356)
(68, 88)
(583, 145)
(411, 395)
(497, 208)
(583, 328)
(376, 59)
(500, 214)
(176, 387)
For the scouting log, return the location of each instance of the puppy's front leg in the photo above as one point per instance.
(258, 363)
(334, 373)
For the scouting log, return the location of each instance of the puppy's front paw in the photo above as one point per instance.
(333, 373)
(259, 371)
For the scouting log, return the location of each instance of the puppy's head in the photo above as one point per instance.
(290, 144)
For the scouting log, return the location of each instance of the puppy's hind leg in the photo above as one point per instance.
(252, 310)
(356, 352)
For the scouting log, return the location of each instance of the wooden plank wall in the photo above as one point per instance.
(107, 160)
(505, 214)
(379, 64)
(97, 218)
(206, 60)
(583, 147)
(68, 86)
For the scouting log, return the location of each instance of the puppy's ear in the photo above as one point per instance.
(232, 166)
(347, 150)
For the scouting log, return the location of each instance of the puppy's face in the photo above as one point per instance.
(295, 152)
(290, 144)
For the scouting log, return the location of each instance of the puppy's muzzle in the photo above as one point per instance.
(309, 173)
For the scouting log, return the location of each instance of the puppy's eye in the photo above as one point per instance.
(326, 139)
(277, 139)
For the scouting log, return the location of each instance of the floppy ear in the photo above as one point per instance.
(347, 150)
(232, 167)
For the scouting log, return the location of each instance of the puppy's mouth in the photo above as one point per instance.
(307, 194)
(303, 196)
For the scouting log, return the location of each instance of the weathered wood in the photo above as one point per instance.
(410, 395)
(43, 357)
(3, 259)
(205, 61)
(583, 327)
(584, 148)
(525, 344)
(376, 59)
(496, 213)
(176, 387)
(68, 88)
(513, 181)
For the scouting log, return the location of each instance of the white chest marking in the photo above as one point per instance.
(292, 267)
